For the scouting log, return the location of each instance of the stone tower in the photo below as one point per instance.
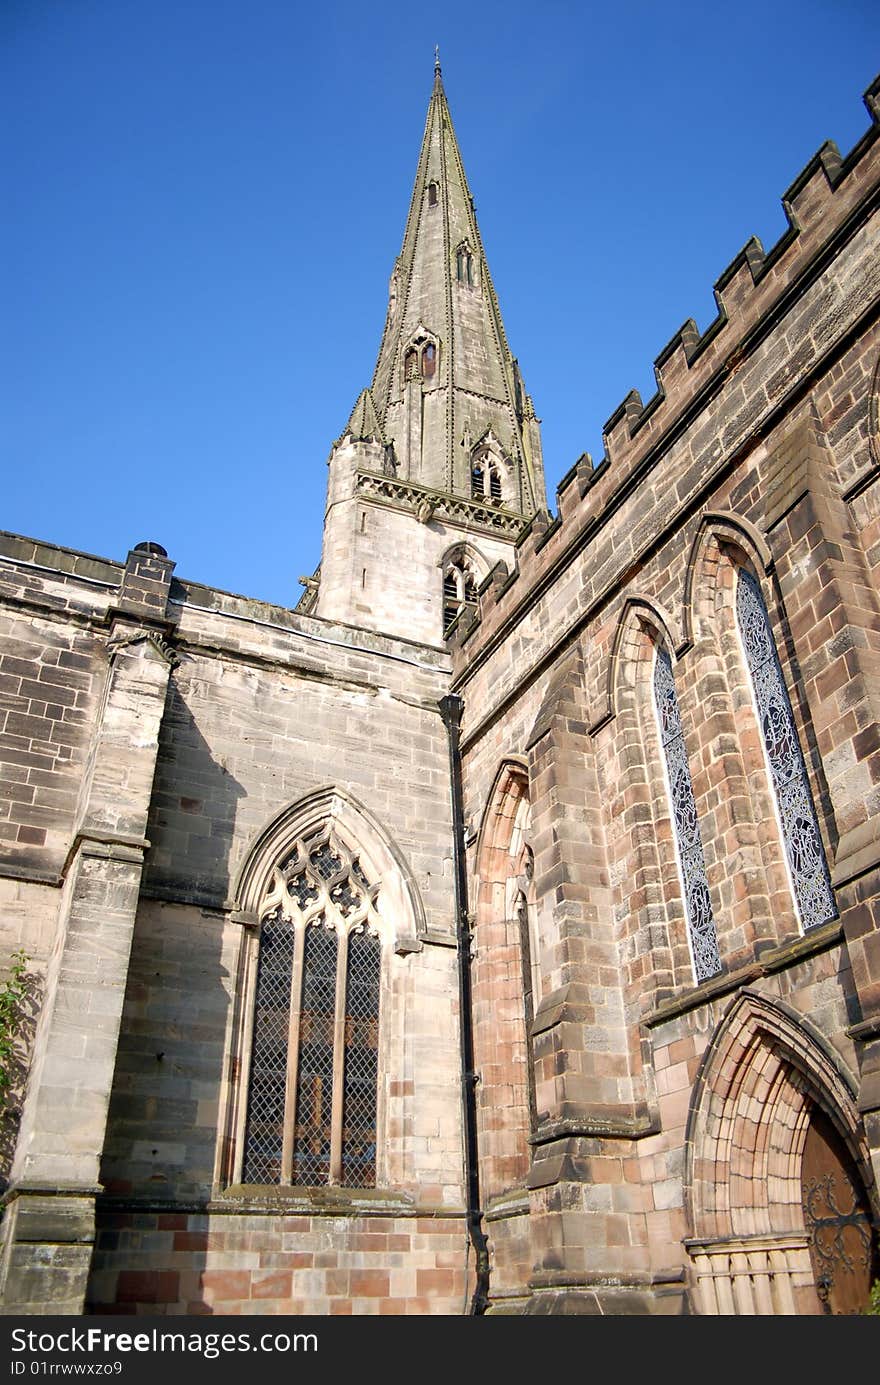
(439, 466)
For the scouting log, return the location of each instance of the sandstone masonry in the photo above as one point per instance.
(541, 1100)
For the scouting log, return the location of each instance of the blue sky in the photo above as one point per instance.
(204, 200)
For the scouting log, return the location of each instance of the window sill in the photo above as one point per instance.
(770, 959)
(322, 1202)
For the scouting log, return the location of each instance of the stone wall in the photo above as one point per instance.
(258, 708)
(641, 1117)
(760, 451)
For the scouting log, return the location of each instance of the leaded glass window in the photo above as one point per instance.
(800, 830)
(311, 1116)
(686, 827)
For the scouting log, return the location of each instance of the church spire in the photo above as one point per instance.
(445, 384)
(439, 467)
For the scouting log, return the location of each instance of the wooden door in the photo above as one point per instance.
(837, 1217)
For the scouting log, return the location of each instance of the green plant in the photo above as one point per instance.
(13, 996)
(873, 1308)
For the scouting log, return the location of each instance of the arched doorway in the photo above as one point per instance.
(778, 1179)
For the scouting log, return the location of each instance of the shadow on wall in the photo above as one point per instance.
(158, 1161)
(191, 825)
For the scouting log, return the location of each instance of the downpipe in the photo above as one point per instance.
(451, 708)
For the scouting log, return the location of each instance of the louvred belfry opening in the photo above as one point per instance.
(459, 588)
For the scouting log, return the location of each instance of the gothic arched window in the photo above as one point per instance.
(685, 824)
(800, 830)
(432, 194)
(311, 1116)
(459, 588)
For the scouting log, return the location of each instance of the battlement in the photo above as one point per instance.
(757, 296)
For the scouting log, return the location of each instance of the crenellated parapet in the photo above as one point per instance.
(781, 317)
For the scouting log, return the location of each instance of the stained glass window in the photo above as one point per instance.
(803, 843)
(686, 827)
(311, 1116)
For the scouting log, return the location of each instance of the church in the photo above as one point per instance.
(497, 932)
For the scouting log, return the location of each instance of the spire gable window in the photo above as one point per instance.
(805, 854)
(421, 358)
(465, 265)
(312, 1096)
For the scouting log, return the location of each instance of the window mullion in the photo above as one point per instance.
(252, 944)
(296, 984)
(338, 1061)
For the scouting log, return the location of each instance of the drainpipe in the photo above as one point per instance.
(451, 708)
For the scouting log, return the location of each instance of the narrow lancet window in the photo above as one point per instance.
(685, 824)
(803, 843)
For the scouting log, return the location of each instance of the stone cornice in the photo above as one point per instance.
(432, 504)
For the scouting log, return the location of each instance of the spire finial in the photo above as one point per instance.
(437, 59)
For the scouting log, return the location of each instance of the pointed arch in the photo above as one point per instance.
(717, 528)
(362, 834)
(724, 546)
(325, 897)
(463, 570)
(420, 356)
(764, 1077)
(676, 911)
(512, 774)
(466, 264)
(463, 548)
(491, 471)
(638, 612)
(728, 606)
